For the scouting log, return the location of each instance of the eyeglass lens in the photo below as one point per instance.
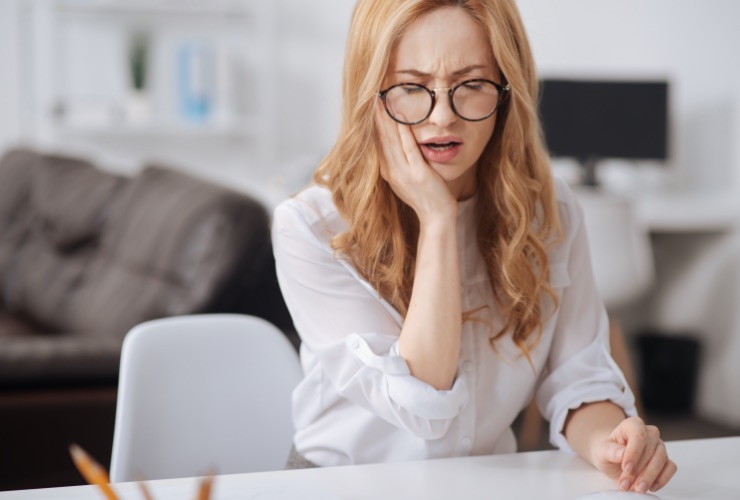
(411, 103)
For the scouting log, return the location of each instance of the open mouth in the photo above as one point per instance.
(442, 146)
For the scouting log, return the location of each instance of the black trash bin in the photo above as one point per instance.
(669, 369)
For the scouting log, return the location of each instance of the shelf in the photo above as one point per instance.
(243, 128)
(223, 8)
(79, 71)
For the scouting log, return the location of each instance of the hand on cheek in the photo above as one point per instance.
(406, 170)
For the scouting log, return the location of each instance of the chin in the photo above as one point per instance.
(451, 172)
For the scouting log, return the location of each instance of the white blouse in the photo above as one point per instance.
(358, 402)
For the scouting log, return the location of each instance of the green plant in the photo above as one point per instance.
(138, 60)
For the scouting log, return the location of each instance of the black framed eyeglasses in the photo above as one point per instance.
(472, 100)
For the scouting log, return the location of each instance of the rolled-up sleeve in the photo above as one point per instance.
(352, 332)
(580, 368)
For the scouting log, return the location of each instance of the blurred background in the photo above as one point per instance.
(246, 94)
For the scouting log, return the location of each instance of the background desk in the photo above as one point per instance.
(696, 247)
(707, 469)
(688, 211)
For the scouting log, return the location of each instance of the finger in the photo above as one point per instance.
(653, 440)
(382, 120)
(647, 475)
(406, 141)
(635, 436)
(385, 129)
(410, 147)
(665, 475)
(613, 452)
(390, 140)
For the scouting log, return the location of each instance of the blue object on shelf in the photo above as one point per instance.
(195, 81)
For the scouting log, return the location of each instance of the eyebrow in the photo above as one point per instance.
(463, 71)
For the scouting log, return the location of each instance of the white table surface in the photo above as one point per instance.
(688, 211)
(707, 469)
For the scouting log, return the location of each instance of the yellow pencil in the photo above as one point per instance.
(204, 492)
(92, 471)
(145, 491)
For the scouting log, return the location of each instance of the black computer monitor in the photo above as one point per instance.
(593, 119)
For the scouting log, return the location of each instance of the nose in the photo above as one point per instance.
(442, 113)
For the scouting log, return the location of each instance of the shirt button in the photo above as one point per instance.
(466, 441)
(354, 343)
(468, 366)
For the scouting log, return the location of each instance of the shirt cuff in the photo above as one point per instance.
(590, 377)
(415, 396)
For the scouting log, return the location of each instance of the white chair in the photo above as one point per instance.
(203, 394)
(622, 260)
(621, 253)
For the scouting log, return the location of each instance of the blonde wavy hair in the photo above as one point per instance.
(516, 210)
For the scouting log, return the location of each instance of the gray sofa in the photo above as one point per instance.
(85, 255)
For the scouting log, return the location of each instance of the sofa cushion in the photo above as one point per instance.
(42, 284)
(16, 173)
(29, 356)
(86, 255)
(59, 208)
(172, 245)
(71, 199)
(174, 225)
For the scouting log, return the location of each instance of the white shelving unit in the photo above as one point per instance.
(79, 79)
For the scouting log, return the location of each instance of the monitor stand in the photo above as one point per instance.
(588, 167)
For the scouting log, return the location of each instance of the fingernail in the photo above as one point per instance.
(625, 484)
(619, 453)
(628, 467)
(642, 487)
(655, 486)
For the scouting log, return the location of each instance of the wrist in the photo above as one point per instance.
(440, 221)
(590, 426)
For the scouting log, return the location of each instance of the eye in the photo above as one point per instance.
(475, 86)
(412, 90)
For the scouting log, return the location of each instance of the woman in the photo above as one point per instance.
(436, 274)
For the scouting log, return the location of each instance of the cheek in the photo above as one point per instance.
(483, 134)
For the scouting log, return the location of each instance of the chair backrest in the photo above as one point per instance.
(621, 253)
(203, 394)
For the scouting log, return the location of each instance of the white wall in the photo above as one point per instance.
(691, 43)
(10, 114)
(312, 36)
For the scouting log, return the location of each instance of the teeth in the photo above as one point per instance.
(441, 147)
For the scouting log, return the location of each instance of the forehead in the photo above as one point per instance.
(442, 41)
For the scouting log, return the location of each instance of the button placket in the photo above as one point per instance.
(466, 419)
(467, 241)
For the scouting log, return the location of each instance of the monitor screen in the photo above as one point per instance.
(588, 119)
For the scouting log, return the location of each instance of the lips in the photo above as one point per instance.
(441, 149)
(442, 143)
(441, 146)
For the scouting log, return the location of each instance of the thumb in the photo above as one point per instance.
(612, 452)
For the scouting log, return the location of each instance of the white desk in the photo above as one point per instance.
(696, 249)
(688, 211)
(695, 238)
(707, 469)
